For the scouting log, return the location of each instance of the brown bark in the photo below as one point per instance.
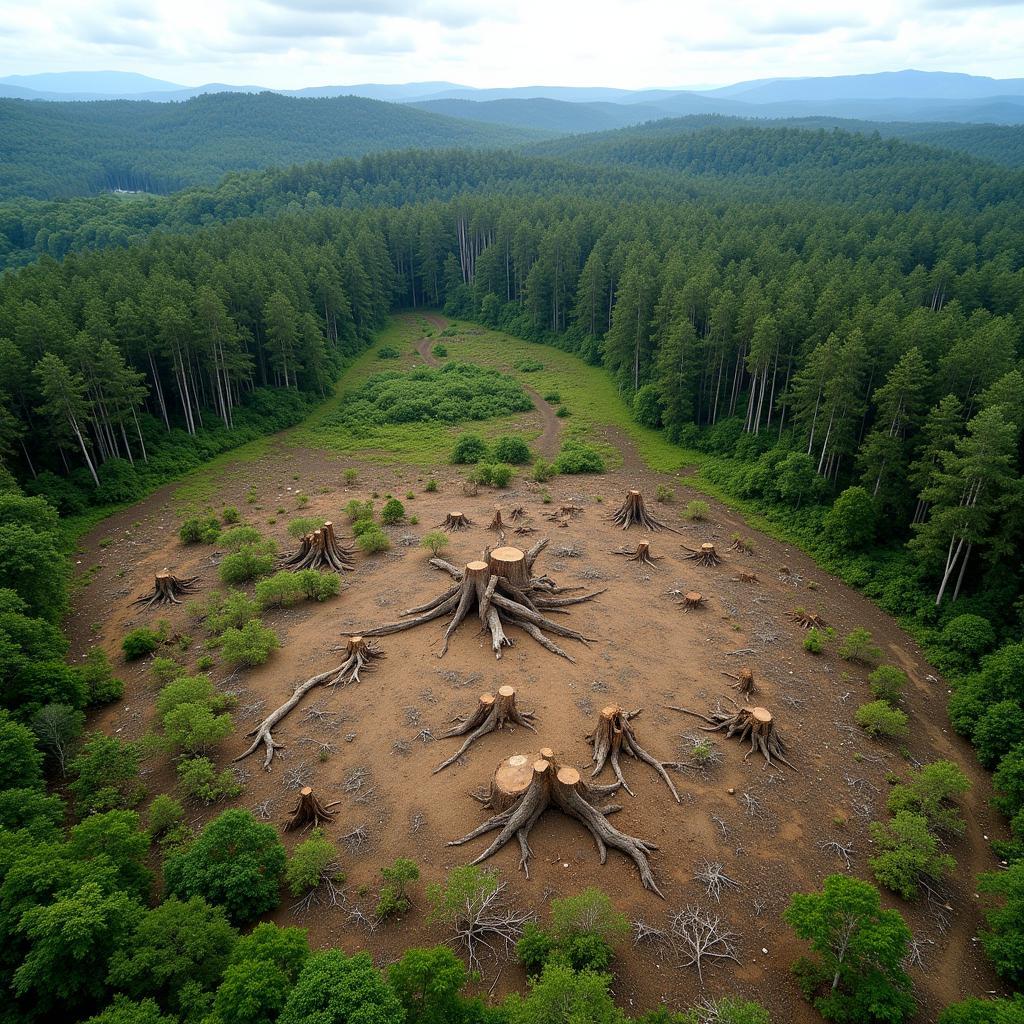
(705, 555)
(641, 553)
(167, 589)
(456, 521)
(753, 723)
(492, 714)
(562, 788)
(613, 735)
(744, 684)
(633, 512)
(524, 531)
(511, 779)
(497, 523)
(808, 620)
(741, 544)
(510, 563)
(747, 577)
(321, 549)
(309, 812)
(692, 599)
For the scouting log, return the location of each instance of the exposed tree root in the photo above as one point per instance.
(641, 553)
(503, 593)
(517, 513)
(755, 723)
(564, 789)
(456, 521)
(360, 655)
(492, 713)
(808, 620)
(321, 549)
(167, 589)
(747, 577)
(741, 544)
(309, 812)
(706, 555)
(633, 512)
(524, 531)
(614, 735)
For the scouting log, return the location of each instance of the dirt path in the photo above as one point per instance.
(548, 442)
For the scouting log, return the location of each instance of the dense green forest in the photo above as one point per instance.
(140, 146)
(832, 322)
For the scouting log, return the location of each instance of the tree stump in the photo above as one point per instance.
(456, 521)
(517, 513)
(309, 812)
(633, 512)
(167, 589)
(748, 577)
(614, 735)
(705, 555)
(524, 531)
(741, 544)
(561, 787)
(744, 684)
(808, 620)
(497, 523)
(498, 602)
(491, 714)
(692, 599)
(510, 563)
(511, 779)
(321, 549)
(641, 554)
(753, 723)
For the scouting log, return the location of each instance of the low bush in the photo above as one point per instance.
(562, 412)
(250, 645)
(388, 352)
(880, 720)
(392, 513)
(908, 852)
(311, 861)
(527, 365)
(431, 486)
(196, 530)
(930, 792)
(501, 474)
(554, 397)
(858, 646)
(579, 457)
(105, 775)
(814, 641)
(164, 814)
(357, 510)
(393, 897)
(697, 511)
(303, 525)
(230, 515)
(201, 781)
(543, 471)
(280, 590)
(249, 562)
(435, 542)
(373, 541)
(469, 449)
(511, 449)
(664, 493)
(440, 351)
(235, 608)
(887, 683)
(240, 536)
(140, 642)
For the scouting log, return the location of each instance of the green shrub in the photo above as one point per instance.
(998, 731)
(697, 511)
(469, 449)
(814, 641)
(930, 792)
(234, 609)
(318, 586)
(196, 530)
(21, 762)
(1003, 938)
(879, 719)
(665, 493)
(240, 536)
(311, 862)
(578, 457)
(553, 397)
(102, 686)
(431, 486)
(851, 521)
(528, 365)
(351, 476)
(373, 541)
(501, 474)
(511, 449)
(250, 645)
(440, 351)
(388, 352)
(230, 515)
(201, 781)
(983, 1011)
(887, 682)
(165, 813)
(435, 542)
(140, 642)
(280, 590)
(969, 636)
(303, 525)
(105, 775)
(357, 510)
(543, 471)
(908, 852)
(859, 647)
(236, 863)
(392, 513)
(164, 669)
(534, 949)
(562, 412)
(249, 562)
(393, 897)
(361, 526)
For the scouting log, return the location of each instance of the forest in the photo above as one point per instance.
(829, 324)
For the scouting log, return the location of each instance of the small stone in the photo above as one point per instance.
(731, 791)
(763, 950)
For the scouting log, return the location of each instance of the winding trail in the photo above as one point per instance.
(548, 442)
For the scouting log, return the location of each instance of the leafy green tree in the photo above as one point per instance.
(105, 775)
(309, 862)
(176, 955)
(393, 897)
(21, 763)
(856, 973)
(561, 996)
(32, 564)
(131, 1011)
(1003, 938)
(984, 1011)
(116, 837)
(336, 989)
(427, 983)
(851, 521)
(71, 942)
(64, 405)
(998, 730)
(236, 863)
(908, 853)
(930, 791)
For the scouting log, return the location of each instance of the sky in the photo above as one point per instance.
(289, 44)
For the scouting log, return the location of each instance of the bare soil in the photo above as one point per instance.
(765, 824)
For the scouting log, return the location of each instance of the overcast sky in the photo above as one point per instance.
(624, 43)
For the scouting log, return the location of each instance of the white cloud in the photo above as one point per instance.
(624, 43)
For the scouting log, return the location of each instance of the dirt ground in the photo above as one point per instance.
(766, 825)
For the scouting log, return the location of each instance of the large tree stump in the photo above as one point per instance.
(633, 512)
(705, 555)
(641, 553)
(511, 780)
(562, 788)
(497, 601)
(456, 521)
(309, 812)
(753, 723)
(358, 655)
(167, 589)
(808, 620)
(613, 734)
(692, 599)
(492, 713)
(321, 549)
